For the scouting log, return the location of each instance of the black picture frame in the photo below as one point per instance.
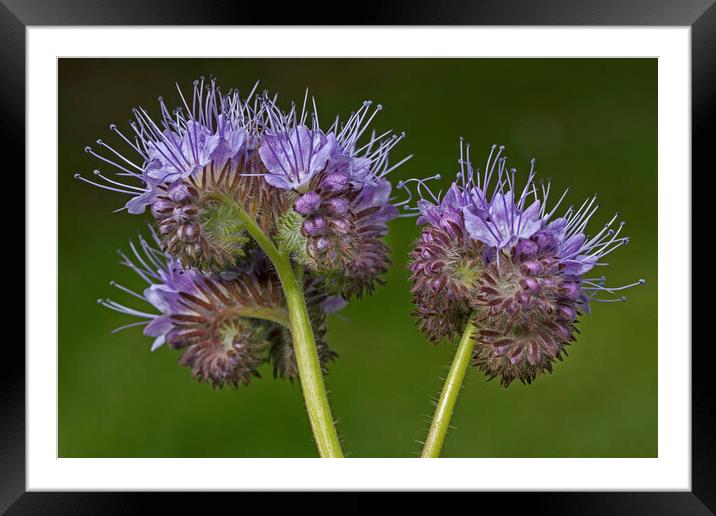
(16, 15)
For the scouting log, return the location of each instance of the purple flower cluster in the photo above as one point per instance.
(490, 251)
(225, 324)
(322, 195)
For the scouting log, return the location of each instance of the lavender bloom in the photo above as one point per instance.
(340, 191)
(186, 162)
(210, 131)
(292, 157)
(490, 250)
(452, 203)
(226, 325)
(501, 223)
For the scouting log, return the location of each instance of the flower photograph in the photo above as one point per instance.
(357, 258)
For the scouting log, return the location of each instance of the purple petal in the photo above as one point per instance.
(293, 158)
(558, 227)
(162, 297)
(376, 195)
(334, 304)
(429, 213)
(223, 146)
(158, 342)
(136, 205)
(530, 222)
(573, 244)
(503, 212)
(454, 199)
(477, 228)
(279, 181)
(159, 326)
(360, 169)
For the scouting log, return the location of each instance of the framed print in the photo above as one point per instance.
(463, 235)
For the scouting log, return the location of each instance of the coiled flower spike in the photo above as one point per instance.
(491, 252)
(225, 324)
(340, 195)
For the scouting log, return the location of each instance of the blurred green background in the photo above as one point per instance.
(591, 124)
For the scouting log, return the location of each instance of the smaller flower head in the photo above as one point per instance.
(340, 194)
(190, 167)
(226, 325)
(491, 251)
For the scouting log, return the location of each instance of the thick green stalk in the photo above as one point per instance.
(304, 343)
(448, 397)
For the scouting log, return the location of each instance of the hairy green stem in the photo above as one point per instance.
(304, 342)
(449, 394)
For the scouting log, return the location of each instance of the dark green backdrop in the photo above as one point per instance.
(591, 124)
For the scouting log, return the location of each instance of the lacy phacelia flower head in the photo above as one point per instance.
(341, 197)
(322, 194)
(491, 252)
(225, 324)
(194, 166)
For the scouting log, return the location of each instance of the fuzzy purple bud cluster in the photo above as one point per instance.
(226, 324)
(322, 196)
(490, 252)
